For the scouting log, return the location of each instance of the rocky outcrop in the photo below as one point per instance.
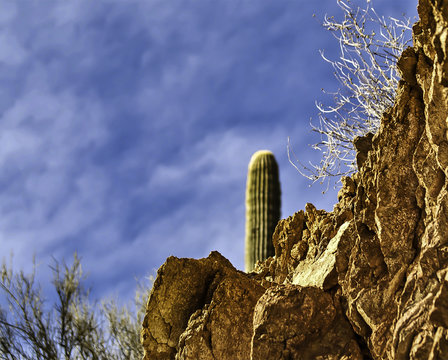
(368, 280)
(200, 309)
(206, 309)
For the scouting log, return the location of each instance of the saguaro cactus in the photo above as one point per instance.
(262, 207)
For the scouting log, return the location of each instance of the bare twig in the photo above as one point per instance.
(370, 46)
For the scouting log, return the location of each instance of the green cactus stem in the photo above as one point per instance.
(262, 207)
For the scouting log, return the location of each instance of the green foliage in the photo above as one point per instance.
(262, 207)
(72, 328)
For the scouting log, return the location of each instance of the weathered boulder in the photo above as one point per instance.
(367, 280)
(200, 309)
(293, 322)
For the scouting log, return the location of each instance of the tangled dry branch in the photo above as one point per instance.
(370, 46)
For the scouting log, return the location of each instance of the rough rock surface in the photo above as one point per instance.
(294, 322)
(200, 309)
(368, 280)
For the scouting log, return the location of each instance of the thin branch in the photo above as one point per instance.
(370, 46)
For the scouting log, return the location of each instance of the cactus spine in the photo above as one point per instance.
(262, 207)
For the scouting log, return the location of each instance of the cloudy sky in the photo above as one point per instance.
(127, 126)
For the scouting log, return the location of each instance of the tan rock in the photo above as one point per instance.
(194, 307)
(291, 322)
(223, 328)
(320, 272)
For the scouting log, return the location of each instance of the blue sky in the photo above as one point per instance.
(127, 126)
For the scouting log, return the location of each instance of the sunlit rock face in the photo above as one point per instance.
(367, 280)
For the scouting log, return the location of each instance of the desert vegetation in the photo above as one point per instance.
(367, 72)
(263, 200)
(72, 326)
